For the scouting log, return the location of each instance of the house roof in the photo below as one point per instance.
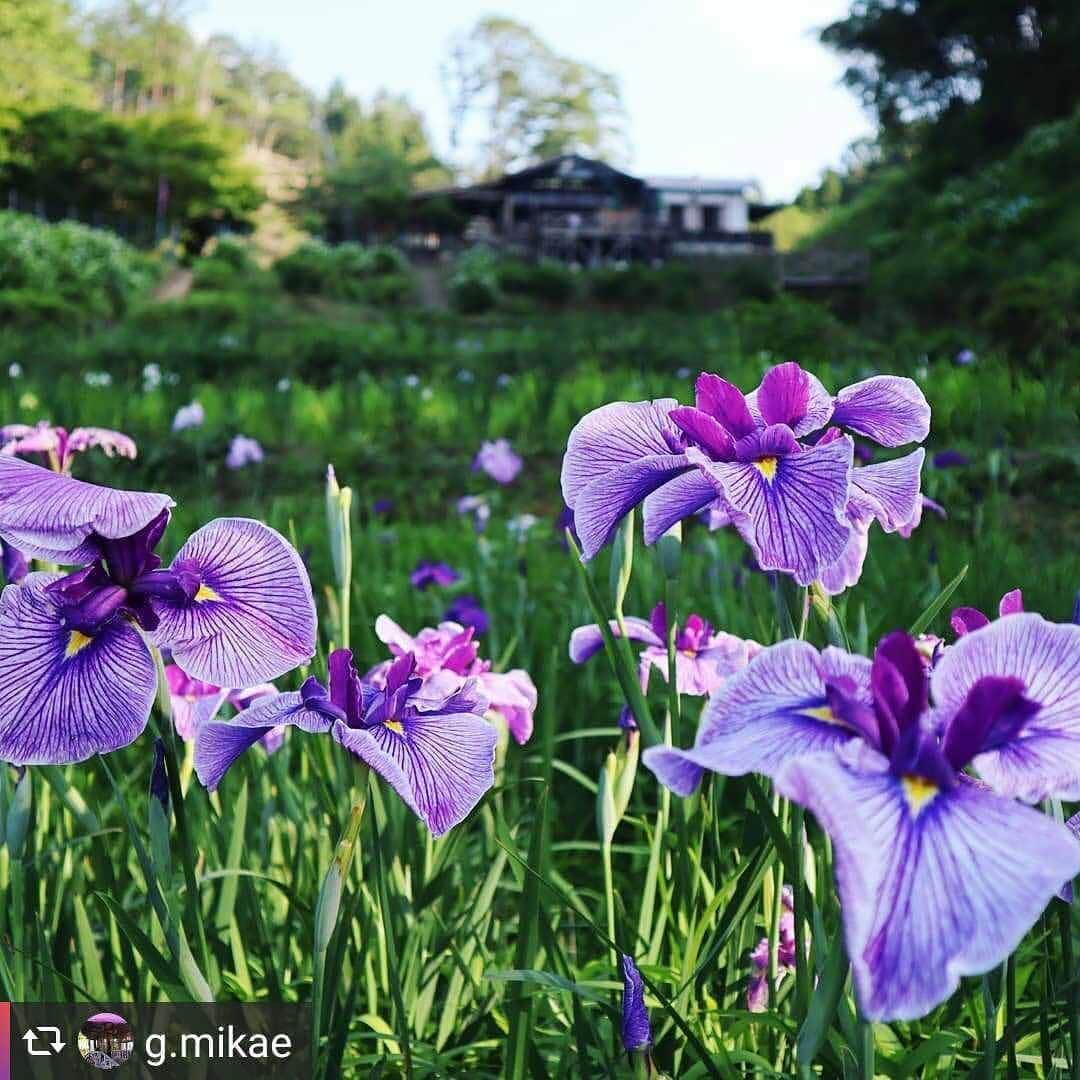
(702, 185)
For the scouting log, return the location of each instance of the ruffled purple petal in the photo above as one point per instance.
(847, 570)
(670, 503)
(65, 696)
(933, 885)
(889, 409)
(792, 516)
(253, 618)
(773, 709)
(51, 516)
(219, 743)
(587, 641)
(788, 395)
(600, 507)
(511, 694)
(726, 402)
(615, 435)
(1043, 759)
(705, 671)
(890, 490)
(441, 764)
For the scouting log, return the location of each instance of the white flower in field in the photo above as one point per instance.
(284, 385)
(683, 373)
(519, 526)
(465, 376)
(412, 381)
(243, 451)
(427, 394)
(15, 371)
(98, 379)
(28, 401)
(151, 375)
(504, 380)
(189, 416)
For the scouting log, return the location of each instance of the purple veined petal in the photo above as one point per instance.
(65, 696)
(1043, 760)
(441, 764)
(587, 641)
(608, 499)
(889, 409)
(788, 395)
(773, 709)
(511, 694)
(253, 618)
(933, 885)
(890, 489)
(635, 1030)
(791, 510)
(51, 516)
(615, 435)
(674, 501)
(846, 571)
(1012, 603)
(111, 442)
(219, 743)
(725, 401)
(924, 503)
(390, 633)
(964, 620)
(705, 430)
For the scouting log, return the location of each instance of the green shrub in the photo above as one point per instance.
(90, 271)
(386, 260)
(27, 308)
(308, 270)
(547, 281)
(629, 285)
(474, 284)
(791, 329)
(389, 290)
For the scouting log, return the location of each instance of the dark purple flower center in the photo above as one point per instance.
(358, 704)
(690, 639)
(124, 581)
(926, 761)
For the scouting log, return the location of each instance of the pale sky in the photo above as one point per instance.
(713, 87)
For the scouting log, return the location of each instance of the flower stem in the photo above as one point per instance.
(798, 904)
(609, 899)
(1012, 1069)
(865, 1048)
(1072, 988)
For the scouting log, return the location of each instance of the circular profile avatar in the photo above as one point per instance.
(106, 1041)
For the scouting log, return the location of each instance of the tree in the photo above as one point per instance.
(965, 80)
(42, 61)
(530, 102)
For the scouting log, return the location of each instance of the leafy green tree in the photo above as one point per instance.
(527, 101)
(43, 63)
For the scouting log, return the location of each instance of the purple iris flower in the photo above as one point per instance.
(757, 986)
(965, 619)
(778, 460)
(437, 752)
(498, 460)
(704, 658)
(466, 609)
(76, 676)
(477, 508)
(243, 451)
(636, 1032)
(446, 656)
(950, 459)
(59, 446)
(189, 416)
(433, 573)
(940, 875)
(195, 702)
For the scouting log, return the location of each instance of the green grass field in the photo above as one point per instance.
(485, 953)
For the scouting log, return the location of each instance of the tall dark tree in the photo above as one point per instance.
(967, 79)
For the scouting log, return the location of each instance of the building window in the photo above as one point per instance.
(676, 217)
(710, 219)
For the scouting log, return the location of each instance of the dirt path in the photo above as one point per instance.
(177, 284)
(431, 286)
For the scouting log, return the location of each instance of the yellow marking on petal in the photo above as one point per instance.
(919, 792)
(205, 593)
(77, 641)
(767, 467)
(690, 652)
(395, 727)
(823, 713)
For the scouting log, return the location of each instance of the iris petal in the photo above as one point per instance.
(1043, 760)
(51, 516)
(933, 885)
(257, 620)
(889, 409)
(66, 696)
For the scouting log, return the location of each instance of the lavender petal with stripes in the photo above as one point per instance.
(77, 676)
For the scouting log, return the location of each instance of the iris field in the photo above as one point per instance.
(496, 949)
